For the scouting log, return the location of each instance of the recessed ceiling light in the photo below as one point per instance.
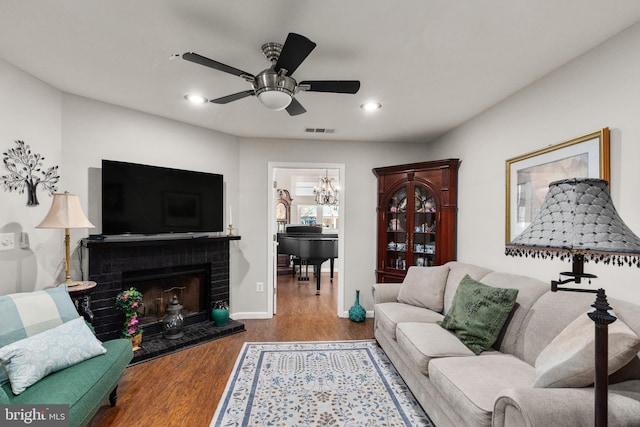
(371, 106)
(196, 99)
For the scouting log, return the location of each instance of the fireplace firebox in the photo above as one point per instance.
(159, 286)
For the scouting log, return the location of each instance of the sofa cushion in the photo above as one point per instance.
(478, 313)
(457, 271)
(529, 291)
(471, 384)
(424, 287)
(547, 318)
(389, 314)
(28, 313)
(29, 360)
(425, 341)
(568, 360)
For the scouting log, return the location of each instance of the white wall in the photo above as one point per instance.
(599, 89)
(30, 110)
(94, 130)
(359, 192)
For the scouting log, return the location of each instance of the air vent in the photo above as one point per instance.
(319, 130)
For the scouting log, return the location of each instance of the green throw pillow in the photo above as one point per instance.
(478, 313)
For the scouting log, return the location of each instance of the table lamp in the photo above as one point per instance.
(66, 212)
(578, 221)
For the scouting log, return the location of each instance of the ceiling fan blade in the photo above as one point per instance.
(295, 108)
(233, 97)
(199, 59)
(295, 50)
(335, 86)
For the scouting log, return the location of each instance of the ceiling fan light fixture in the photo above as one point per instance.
(196, 99)
(274, 90)
(275, 99)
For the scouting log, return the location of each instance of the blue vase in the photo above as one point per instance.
(357, 313)
(220, 316)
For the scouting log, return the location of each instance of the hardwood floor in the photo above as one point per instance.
(183, 389)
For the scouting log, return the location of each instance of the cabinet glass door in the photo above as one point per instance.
(424, 227)
(396, 240)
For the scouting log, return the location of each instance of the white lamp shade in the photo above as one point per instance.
(65, 212)
(275, 99)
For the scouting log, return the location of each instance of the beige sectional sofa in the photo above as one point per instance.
(496, 388)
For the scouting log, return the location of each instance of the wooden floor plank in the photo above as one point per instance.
(183, 389)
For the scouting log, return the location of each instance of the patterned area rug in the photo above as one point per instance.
(337, 383)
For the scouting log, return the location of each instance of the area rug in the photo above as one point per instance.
(336, 383)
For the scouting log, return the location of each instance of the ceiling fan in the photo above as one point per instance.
(275, 87)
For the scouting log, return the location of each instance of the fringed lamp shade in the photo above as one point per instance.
(577, 220)
(578, 217)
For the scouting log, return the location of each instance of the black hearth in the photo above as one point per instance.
(197, 270)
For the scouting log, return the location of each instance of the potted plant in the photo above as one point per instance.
(220, 312)
(129, 301)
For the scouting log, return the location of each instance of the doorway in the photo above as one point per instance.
(299, 179)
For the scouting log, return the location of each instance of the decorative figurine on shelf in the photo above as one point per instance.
(393, 205)
(394, 225)
(429, 205)
(357, 313)
(402, 206)
(129, 302)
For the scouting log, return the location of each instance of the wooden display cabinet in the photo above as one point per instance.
(416, 216)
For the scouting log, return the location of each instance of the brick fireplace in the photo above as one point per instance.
(196, 270)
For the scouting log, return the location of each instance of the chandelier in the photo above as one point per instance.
(326, 192)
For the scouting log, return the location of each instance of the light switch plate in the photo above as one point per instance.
(7, 241)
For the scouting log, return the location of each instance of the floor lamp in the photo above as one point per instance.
(578, 221)
(66, 213)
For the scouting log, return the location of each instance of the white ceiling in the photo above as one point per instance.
(433, 64)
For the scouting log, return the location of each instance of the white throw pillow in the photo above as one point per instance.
(424, 287)
(569, 360)
(31, 359)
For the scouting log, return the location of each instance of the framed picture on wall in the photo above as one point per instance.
(529, 175)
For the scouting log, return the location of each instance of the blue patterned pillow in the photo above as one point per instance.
(31, 359)
(28, 313)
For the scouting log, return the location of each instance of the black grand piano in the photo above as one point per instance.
(312, 247)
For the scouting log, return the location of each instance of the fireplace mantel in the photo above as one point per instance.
(105, 261)
(158, 240)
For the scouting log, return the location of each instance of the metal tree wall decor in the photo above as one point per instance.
(25, 172)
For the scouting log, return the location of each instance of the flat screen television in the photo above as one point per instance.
(142, 199)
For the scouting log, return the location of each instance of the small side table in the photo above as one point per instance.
(81, 299)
